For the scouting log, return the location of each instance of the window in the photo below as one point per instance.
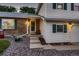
(59, 28)
(32, 25)
(59, 5)
(76, 8)
(8, 24)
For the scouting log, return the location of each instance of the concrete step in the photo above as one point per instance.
(36, 45)
(34, 40)
(34, 35)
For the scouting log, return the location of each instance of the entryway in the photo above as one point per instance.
(34, 32)
(33, 26)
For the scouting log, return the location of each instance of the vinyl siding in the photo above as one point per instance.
(51, 37)
(48, 12)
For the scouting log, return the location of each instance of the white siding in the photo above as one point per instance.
(48, 12)
(46, 27)
(43, 9)
(50, 37)
(75, 33)
(43, 28)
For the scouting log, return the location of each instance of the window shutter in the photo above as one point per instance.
(54, 5)
(72, 6)
(15, 24)
(54, 28)
(65, 6)
(65, 28)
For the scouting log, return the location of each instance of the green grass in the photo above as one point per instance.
(4, 44)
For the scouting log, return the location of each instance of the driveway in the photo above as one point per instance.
(22, 49)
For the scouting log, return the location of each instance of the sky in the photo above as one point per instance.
(18, 5)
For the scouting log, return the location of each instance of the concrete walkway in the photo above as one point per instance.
(61, 47)
(35, 42)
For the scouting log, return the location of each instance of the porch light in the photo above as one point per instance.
(69, 26)
(27, 23)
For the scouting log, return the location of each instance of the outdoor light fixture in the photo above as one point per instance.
(69, 26)
(27, 23)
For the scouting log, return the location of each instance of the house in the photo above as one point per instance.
(19, 23)
(56, 22)
(60, 22)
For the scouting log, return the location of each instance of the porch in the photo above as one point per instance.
(22, 26)
(33, 26)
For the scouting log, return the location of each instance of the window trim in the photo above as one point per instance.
(57, 28)
(63, 28)
(60, 4)
(76, 7)
(64, 6)
(15, 24)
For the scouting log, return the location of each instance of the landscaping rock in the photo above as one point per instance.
(22, 49)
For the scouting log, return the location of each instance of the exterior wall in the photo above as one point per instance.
(43, 9)
(46, 27)
(43, 28)
(51, 37)
(75, 33)
(48, 12)
(37, 26)
(21, 28)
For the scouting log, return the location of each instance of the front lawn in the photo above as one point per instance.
(4, 44)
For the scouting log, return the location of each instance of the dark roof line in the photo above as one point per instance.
(39, 7)
(61, 19)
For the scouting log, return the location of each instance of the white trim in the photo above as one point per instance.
(60, 8)
(56, 28)
(30, 25)
(27, 26)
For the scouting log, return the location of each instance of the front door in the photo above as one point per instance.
(33, 27)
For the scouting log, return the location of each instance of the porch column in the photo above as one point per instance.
(28, 26)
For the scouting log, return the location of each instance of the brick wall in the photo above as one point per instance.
(21, 28)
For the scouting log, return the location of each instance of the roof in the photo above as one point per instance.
(61, 19)
(17, 15)
(39, 7)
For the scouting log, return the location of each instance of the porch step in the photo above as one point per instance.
(35, 42)
(34, 38)
(34, 35)
(32, 41)
(36, 45)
